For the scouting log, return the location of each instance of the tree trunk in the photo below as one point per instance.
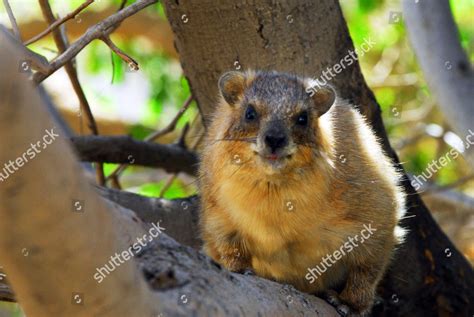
(435, 40)
(428, 275)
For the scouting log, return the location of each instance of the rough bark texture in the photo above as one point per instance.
(191, 284)
(178, 216)
(305, 37)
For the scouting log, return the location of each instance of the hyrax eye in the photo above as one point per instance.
(302, 119)
(250, 113)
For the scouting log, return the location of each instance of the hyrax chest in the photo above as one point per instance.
(282, 231)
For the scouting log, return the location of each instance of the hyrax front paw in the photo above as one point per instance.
(332, 297)
(345, 310)
(233, 259)
(248, 272)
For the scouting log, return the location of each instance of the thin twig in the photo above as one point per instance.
(123, 4)
(167, 185)
(11, 16)
(417, 135)
(58, 22)
(116, 172)
(130, 61)
(437, 189)
(61, 43)
(169, 128)
(182, 143)
(116, 183)
(172, 125)
(97, 31)
(184, 133)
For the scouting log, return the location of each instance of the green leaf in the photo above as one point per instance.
(109, 168)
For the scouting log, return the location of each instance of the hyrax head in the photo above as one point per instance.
(275, 116)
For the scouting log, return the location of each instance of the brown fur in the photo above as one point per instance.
(280, 223)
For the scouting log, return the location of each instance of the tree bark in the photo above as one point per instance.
(179, 216)
(123, 149)
(306, 37)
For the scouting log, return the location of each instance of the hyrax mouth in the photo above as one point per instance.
(273, 157)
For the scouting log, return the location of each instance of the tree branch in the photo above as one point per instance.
(11, 16)
(155, 135)
(58, 22)
(123, 149)
(132, 64)
(179, 216)
(97, 31)
(433, 188)
(61, 44)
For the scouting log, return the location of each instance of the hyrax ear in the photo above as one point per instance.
(231, 86)
(323, 98)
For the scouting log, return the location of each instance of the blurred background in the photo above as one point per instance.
(125, 101)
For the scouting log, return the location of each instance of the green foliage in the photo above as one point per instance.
(109, 168)
(367, 6)
(118, 73)
(417, 161)
(13, 309)
(463, 15)
(139, 131)
(160, 10)
(386, 98)
(176, 190)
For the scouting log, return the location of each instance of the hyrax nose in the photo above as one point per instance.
(276, 141)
